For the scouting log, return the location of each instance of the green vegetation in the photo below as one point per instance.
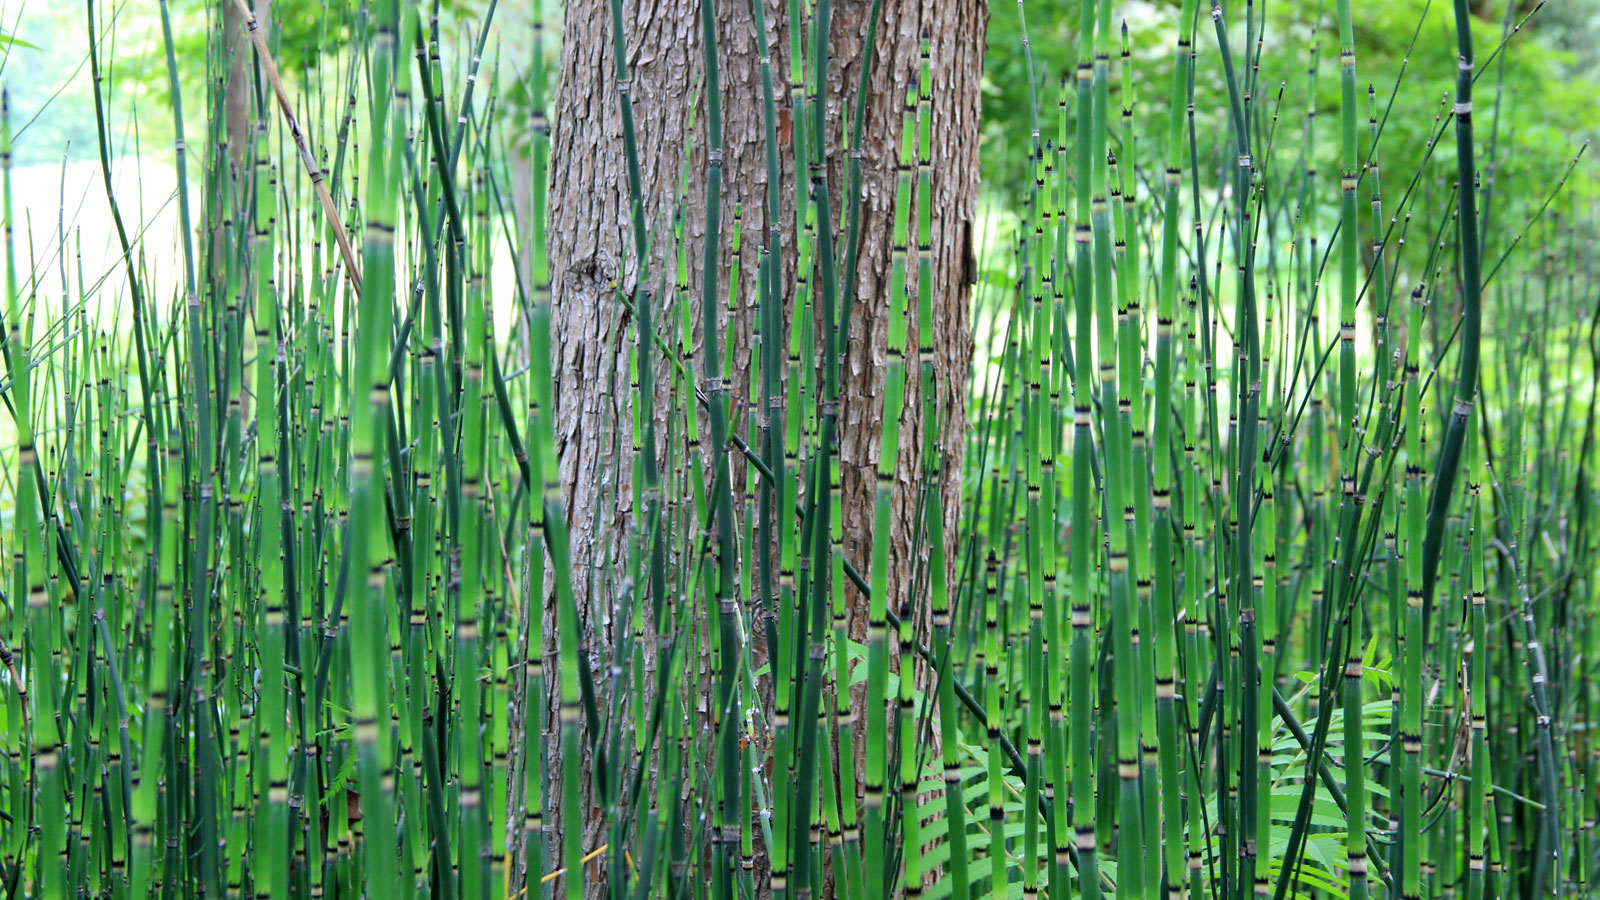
(1273, 571)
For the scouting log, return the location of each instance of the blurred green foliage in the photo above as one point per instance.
(44, 64)
(1535, 99)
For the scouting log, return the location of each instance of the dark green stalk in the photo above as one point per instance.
(1466, 381)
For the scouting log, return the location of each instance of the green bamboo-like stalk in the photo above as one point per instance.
(1164, 567)
(1116, 424)
(1131, 358)
(1466, 381)
(773, 529)
(992, 701)
(933, 507)
(1411, 638)
(1196, 682)
(17, 704)
(727, 716)
(467, 651)
(369, 401)
(1036, 369)
(534, 754)
(273, 830)
(1082, 619)
(874, 833)
(1479, 800)
(825, 537)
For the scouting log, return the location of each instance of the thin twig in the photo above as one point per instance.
(287, 109)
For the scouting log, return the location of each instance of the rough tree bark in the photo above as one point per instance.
(591, 246)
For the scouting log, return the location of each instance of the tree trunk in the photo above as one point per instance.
(238, 106)
(591, 246)
(239, 97)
